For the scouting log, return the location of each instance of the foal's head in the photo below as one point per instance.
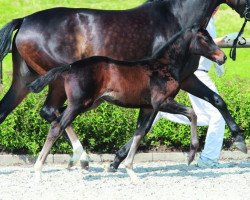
(203, 44)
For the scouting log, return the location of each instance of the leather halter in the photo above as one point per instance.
(247, 10)
(246, 15)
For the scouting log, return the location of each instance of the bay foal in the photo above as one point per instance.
(150, 83)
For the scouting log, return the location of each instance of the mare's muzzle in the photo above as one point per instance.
(247, 14)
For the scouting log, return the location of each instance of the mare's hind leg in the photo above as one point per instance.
(171, 106)
(195, 87)
(18, 91)
(146, 117)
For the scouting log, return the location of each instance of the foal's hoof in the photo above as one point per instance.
(191, 156)
(133, 177)
(240, 144)
(109, 168)
(38, 177)
(71, 165)
(84, 164)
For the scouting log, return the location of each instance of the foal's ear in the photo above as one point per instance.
(195, 29)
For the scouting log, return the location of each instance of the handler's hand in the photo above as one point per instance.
(230, 37)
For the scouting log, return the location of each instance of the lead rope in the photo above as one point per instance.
(236, 40)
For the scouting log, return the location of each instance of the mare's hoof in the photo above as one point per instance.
(84, 164)
(240, 146)
(240, 143)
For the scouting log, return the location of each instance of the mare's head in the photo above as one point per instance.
(201, 43)
(240, 6)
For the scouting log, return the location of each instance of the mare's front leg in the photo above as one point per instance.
(146, 118)
(171, 106)
(195, 87)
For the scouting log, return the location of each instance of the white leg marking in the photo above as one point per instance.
(133, 177)
(38, 170)
(78, 152)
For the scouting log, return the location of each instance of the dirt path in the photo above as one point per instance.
(159, 180)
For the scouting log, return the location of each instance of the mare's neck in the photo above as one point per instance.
(190, 12)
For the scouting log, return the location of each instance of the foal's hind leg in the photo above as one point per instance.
(171, 106)
(55, 99)
(55, 131)
(146, 117)
(123, 152)
(18, 91)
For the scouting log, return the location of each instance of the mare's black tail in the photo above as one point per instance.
(5, 39)
(5, 36)
(37, 85)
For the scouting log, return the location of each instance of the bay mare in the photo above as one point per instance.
(60, 36)
(151, 84)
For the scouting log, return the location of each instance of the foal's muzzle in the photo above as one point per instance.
(221, 61)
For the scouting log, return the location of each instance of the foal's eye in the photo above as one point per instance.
(205, 39)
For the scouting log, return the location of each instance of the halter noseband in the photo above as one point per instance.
(247, 10)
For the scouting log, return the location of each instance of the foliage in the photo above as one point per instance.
(108, 127)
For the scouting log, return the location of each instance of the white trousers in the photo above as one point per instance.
(207, 115)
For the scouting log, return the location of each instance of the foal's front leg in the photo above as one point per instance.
(146, 118)
(171, 106)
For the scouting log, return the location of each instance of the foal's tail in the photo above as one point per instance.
(37, 85)
(5, 39)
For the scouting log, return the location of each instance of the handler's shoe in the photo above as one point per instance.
(207, 163)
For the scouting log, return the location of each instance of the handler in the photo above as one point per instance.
(207, 114)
